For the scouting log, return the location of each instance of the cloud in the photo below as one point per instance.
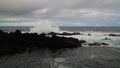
(77, 24)
(41, 11)
(9, 19)
(13, 19)
(87, 14)
(25, 6)
(85, 10)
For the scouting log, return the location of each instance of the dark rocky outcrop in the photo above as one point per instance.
(114, 35)
(104, 43)
(65, 33)
(74, 33)
(96, 44)
(89, 34)
(106, 38)
(17, 42)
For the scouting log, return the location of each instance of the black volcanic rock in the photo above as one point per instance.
(114, 35)
(94, 44)
(65, 33)
(89, 34)
(104, 43)
(97, 44)
(17, 42)
(106, 38)
(74, 33)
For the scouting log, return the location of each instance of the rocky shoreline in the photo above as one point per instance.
(52, 50)
(17, 42)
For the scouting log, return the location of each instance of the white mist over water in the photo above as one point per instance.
(44, 27)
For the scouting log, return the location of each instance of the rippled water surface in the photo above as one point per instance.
(85, 57)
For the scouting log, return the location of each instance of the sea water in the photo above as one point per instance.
(97, 34)
(81, 57)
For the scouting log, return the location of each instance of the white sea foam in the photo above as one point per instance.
(44, 27)
(98, 37)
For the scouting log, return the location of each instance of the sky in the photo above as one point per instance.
(60, 12)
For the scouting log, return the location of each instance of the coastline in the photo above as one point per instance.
(80, 56)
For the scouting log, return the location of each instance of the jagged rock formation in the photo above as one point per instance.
(17, 42)
(65, 33)
(114, 35)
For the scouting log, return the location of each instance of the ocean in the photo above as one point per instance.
(95, 29)
(81, 57)
(66, 28)
(97, 34)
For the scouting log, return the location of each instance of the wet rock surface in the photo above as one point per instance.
(17, 42)
(106, 38)
(96, 44)
(65, 33)
(114, 35)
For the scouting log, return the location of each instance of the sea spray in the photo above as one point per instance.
(44, 27)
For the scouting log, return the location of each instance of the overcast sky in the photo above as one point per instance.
(60, 12)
